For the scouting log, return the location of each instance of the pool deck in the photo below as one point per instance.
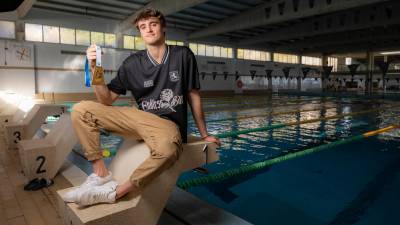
(19, 207)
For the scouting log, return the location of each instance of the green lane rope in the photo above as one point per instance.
(281, 125)
(220, 176)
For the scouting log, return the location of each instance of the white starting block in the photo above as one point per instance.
(10, 108)
(25, 128)
(42, 158)
(146, 208)
(7, 114)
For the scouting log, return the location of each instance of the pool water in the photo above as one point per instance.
(354, 183)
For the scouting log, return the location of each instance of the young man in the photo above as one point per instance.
(162, 79)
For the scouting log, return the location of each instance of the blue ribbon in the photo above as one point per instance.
(87, 74)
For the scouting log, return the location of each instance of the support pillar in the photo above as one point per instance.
(370, 72)
(324, 78)
(385, 57)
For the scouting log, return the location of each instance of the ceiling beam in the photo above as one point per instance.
(24, 8)
(355, 19)
(278, 11)
(356, 47)
(340, 39)
(89, 5)
(78, 11)
(166, 7)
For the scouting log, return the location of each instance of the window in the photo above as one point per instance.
(246, 54)
(110, 40)
(240, 53)
(139, 43)
(55, 34)
(33, 32)
(224, 52)
(252, 55)
(264, 56)
(7, 29)
(129, 42)
(209, 50)
(51, 34)
(193, 47)
(332, 61)
(97, 38)
(82, 37)
(170, 42)
(313, 61)
(348, 61)
(67, 36)
(257, 55)
(230, 53)
(201, 49)
(217, 51)
(286, 58)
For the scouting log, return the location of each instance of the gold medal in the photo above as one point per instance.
(98, 76)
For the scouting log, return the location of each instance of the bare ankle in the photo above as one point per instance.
(100, 168)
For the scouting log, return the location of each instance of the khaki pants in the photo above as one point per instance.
(161, 135)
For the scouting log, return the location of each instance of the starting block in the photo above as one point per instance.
(8, 113)
(25, 128)
(43, 158)
(146, 208)
(11, 108)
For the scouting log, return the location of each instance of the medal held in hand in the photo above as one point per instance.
(98, 71)
(98, 76)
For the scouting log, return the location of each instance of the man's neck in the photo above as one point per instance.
(157, 51)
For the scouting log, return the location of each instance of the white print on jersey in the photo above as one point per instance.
(148, 83)
(167, 101)
(174, 76)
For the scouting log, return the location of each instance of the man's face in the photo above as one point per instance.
(151, 30)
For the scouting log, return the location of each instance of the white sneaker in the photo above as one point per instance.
(91, 181)
(98, 194)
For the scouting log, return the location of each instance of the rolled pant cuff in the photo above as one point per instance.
(137, 183)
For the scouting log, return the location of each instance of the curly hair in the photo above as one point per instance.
(147, 13)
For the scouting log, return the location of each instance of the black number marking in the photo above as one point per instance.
(17, 135)
(39, 169)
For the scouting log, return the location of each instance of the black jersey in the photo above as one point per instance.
(161, 89)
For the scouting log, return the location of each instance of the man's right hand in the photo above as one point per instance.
(91, 55)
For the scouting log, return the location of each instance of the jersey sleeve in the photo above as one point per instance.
(192, 72)
(116, 85)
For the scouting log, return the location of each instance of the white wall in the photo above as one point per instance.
(11, 78)
(50, 56)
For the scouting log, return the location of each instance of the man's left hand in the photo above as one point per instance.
(213, 139)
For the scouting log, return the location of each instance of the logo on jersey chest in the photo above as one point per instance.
(148, 83)
(167, 102)
(174, 76)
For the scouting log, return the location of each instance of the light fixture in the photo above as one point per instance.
(391, 53)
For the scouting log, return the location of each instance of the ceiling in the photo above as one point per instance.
(293, 26)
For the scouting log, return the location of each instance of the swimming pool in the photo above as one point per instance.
(354, 183)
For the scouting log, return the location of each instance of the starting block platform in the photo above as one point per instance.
(143, 209)
(24, 127)
(43, 158)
